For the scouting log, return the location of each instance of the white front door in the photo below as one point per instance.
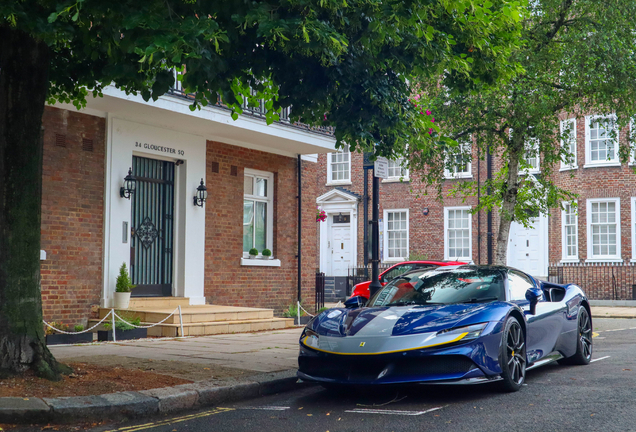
(340, 249)
(527, 247)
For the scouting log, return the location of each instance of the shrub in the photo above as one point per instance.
(253, 251)
(124, 283)
(79, 327)
(267, 253)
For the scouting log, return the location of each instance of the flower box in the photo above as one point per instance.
(69, 339)
(107, 335)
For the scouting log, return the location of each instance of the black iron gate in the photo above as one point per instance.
(152, 227)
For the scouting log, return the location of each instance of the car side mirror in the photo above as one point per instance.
(534, 296)
(355, 302)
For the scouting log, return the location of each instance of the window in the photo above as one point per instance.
(396, 235)
(396, 271)
(258, 210)
(603, 229)
(457, 233)
(569, 232)
(568, 132)
(339, 167)
(531, 157)
(633, 222)
(600, 146)
(518, 284)
(397, 171)
(460, 162)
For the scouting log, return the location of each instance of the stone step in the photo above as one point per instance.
(158, 302)
(216, 327)
(193, 314)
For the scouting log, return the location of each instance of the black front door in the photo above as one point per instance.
(152, 227)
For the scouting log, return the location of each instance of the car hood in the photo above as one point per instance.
(403, 320)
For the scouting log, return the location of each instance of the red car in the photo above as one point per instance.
(362, 289)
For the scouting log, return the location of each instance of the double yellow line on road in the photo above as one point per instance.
(172, 420)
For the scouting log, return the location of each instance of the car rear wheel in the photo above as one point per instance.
(583, 342)
(512, 356)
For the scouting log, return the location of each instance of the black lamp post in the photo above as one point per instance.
(128, 188)
(201, 196)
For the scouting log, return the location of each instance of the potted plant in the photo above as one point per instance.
(122, 288)
(267, 254)
(123, 331)
(253, 253)
(53, 338)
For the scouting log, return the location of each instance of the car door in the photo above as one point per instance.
(544, 326)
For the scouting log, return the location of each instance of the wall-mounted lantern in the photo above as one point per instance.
(201, 196)
(129, 185)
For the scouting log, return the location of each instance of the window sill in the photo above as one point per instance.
(569, 168)
(458, 176)
(343, 183)
(604, 260)
(600, 165)
(570, 261)
(258, 262)
(396, 180)
(530, 172)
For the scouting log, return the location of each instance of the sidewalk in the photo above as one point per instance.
(613, 312)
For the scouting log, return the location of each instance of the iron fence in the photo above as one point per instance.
(320, 291)
(255, 111)
(359, 274)
(600, 281)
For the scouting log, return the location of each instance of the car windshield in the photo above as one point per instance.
(461, 285)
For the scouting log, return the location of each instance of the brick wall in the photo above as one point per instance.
(226, 281)
(72, 214)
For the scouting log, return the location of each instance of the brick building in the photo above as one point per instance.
(173, 247)
(594, 246)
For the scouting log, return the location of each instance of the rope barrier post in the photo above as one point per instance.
(298, 309)
(181, 321)
(113, 324)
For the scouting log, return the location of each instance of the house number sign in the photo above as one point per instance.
(159, 148)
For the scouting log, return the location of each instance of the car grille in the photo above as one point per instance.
(367, 369)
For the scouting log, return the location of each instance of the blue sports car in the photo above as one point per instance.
(462, 325)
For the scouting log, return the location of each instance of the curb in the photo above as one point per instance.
(613, 316)
(126, 405)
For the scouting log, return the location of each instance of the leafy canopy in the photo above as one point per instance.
(344, 63)
(578, 58)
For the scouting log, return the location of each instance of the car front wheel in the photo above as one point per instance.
(512, 356)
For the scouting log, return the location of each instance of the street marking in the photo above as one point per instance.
(594, 334)
(172, 420)
(265, 408)
(392, 412)
(602, 358)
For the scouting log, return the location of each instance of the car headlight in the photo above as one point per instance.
(471, 332)
(310, 338)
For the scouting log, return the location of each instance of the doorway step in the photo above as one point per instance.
(199, 320)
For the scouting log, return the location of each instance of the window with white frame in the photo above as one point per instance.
(339, 167)
(568, 132)
(258, 210)
(603, 229)
(460, 162)
(457, 233)
(396, 235)
(633, 223)
(531, 156)
(601, 141)
(569, 232)
(397, 170)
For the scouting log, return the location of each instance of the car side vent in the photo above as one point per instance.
(87, 144)
(60, 140)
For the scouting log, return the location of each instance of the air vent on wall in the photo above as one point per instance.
(87, 144)
(234, 170)
(60, 140)
(215, 167)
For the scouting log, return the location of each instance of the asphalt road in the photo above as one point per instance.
(597, 397)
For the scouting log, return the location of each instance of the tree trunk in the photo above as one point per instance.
(509, 201)
(24, 66)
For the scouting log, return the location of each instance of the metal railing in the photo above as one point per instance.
(600, 281)
(359, 274)
(320, 291)
(254, 111)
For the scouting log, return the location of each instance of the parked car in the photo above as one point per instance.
(362, 289)
(462, 325)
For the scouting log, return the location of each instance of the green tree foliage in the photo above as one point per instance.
(578, 58)
(347, 64)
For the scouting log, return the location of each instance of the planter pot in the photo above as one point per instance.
(59, 339)
(107, 335)
(253, 256)
(266, 257)
(122, 300)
